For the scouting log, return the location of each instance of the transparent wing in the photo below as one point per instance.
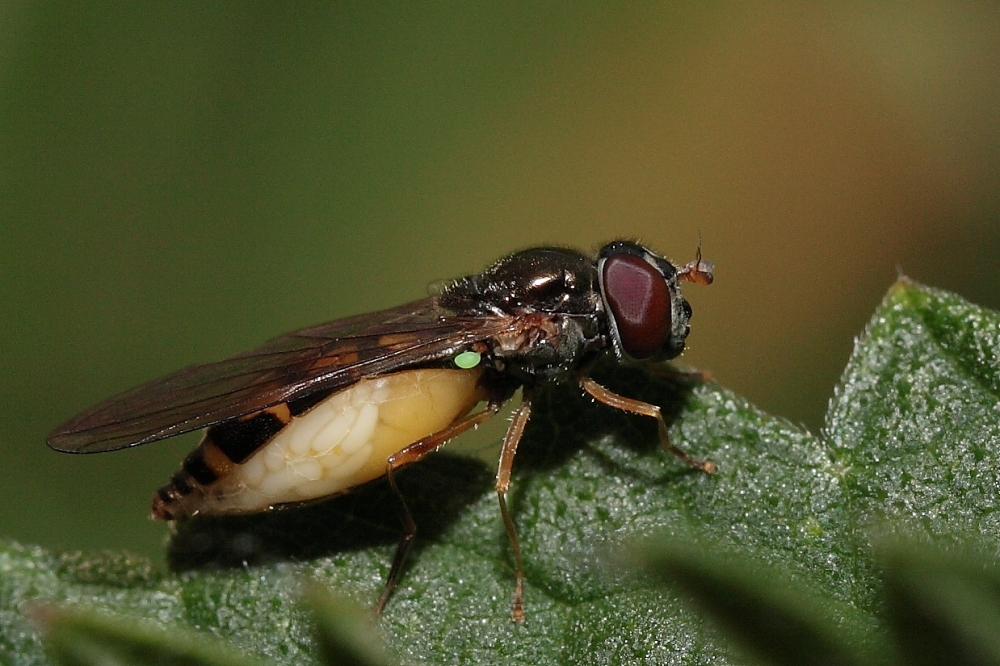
(324, 357)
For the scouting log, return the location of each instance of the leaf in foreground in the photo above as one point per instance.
(771, 616)
(345, 634)
(943, 606)
(82, 637)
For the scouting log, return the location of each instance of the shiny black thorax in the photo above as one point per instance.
(554, 299)
(554, 293)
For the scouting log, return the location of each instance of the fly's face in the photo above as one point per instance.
(646, 314)
(322, 410)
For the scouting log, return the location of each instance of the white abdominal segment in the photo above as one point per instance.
(346, 439)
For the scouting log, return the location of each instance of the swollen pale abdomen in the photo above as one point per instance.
(342, 442)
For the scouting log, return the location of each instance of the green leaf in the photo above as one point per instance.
(345, 634)
(943, 607)
(771, 615)
(911, 436)
(86, 638)
(916, 418)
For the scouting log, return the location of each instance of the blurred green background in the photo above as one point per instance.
(180, 181)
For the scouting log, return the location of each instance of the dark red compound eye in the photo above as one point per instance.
(639, 300)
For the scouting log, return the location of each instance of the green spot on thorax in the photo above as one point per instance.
(468, 359)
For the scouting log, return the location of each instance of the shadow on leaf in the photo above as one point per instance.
(564, 419)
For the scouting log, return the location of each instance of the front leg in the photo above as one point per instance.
(632, 406)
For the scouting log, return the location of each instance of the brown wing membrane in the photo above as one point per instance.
(322, 357)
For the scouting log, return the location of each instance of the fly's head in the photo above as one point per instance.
(640, 292)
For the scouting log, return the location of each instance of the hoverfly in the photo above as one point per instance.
(320, 411)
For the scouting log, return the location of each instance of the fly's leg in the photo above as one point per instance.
(507, 451)
(632, 406)
(410, 454)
